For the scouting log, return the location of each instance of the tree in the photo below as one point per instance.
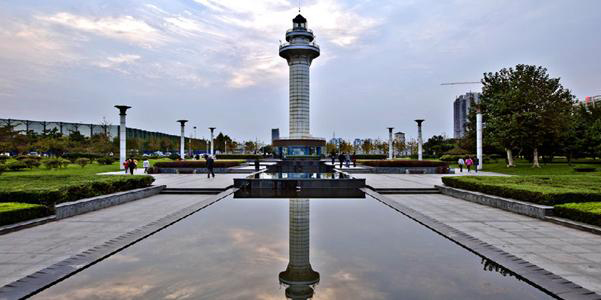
(523, 107)
(437, 145)
(249, 146)
(367, 146)
(346, 147)
(398, 146)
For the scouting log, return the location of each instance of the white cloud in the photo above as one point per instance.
(125, 28)
(115, 62)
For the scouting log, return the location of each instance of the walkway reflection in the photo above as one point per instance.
(299, 275)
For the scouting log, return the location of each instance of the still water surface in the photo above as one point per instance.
(239, 249)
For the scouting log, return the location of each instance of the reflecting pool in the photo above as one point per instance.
(297, 249)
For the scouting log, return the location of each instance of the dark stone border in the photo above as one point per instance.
(26, 224)
(40, 280)
(74, 208)
(540, 278)
(512, 205)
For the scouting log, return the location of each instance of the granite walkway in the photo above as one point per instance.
(26, 251)
(570, 253)
(387, 181)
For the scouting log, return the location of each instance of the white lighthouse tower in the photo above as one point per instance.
(299, 51)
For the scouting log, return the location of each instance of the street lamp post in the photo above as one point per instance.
(390, 142)
(212, 142)
(182, 142)
(420, 141)
(479, 137)
(122, 132)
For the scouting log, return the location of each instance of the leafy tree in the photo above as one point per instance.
(524, 107)
(437, 145)
(367, 146)
(346, 147)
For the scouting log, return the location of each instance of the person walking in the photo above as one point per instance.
(125, 165)
(461, 163)
(468, 163)
(132, 166)
(347, 160)
(476, 163)
(333, 157)
(146, 165)
(354, 158)
(210, 165)
(341, 159)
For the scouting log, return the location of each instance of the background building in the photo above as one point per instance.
(461, 109)
(275, 134)
(593, 101)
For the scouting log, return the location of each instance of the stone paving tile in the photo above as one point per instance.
(570, 253)
(26, 251)
(410, 181)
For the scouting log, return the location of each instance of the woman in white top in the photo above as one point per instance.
(461, 163)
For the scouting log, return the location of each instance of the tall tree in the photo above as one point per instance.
(523, 107)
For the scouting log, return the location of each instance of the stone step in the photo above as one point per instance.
(186, 191)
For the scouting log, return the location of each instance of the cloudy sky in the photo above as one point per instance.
(216, 63)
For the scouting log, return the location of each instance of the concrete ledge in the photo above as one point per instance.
(515, 206)
(69, 209)
(575, 224)
(26, 224)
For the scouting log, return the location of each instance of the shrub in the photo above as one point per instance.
(545, 190)
(457, 151)
(16, 166)
(3, 158)
(174, 156)
(23, 157)
(82, 161)
(31, 163)
(73, 156)
(197, 164)
(454, 158)
(106, 160)
(238, 156)
(51, 189)
(370, 156)
(64, 162)
(2, 169)
(588, 212)
(52, 163)
(11, 212)
(403, 163)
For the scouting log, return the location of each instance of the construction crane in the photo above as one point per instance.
(464, 82)
(478, 125)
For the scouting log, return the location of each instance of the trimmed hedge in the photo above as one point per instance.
(16, 166)
(52, 189)
(237, 156)
(369, 156)
(11, 212)
(454, 157)
(2, 169)
(193, 164)
(73, 156)
(106, 160)
(545, 190)
(588, 212)
(403, 163)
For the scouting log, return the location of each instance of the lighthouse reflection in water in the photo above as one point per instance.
(299, 276)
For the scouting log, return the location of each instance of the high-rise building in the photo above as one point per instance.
(593, 101)
(461, 109)
(275, 134)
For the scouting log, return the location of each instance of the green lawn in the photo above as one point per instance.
(525, 168)
(74, 169)
(548, 190)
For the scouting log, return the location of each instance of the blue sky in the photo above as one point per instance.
(215, 62)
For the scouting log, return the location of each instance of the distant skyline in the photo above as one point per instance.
(216, 63)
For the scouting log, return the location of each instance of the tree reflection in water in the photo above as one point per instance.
(492, 266)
